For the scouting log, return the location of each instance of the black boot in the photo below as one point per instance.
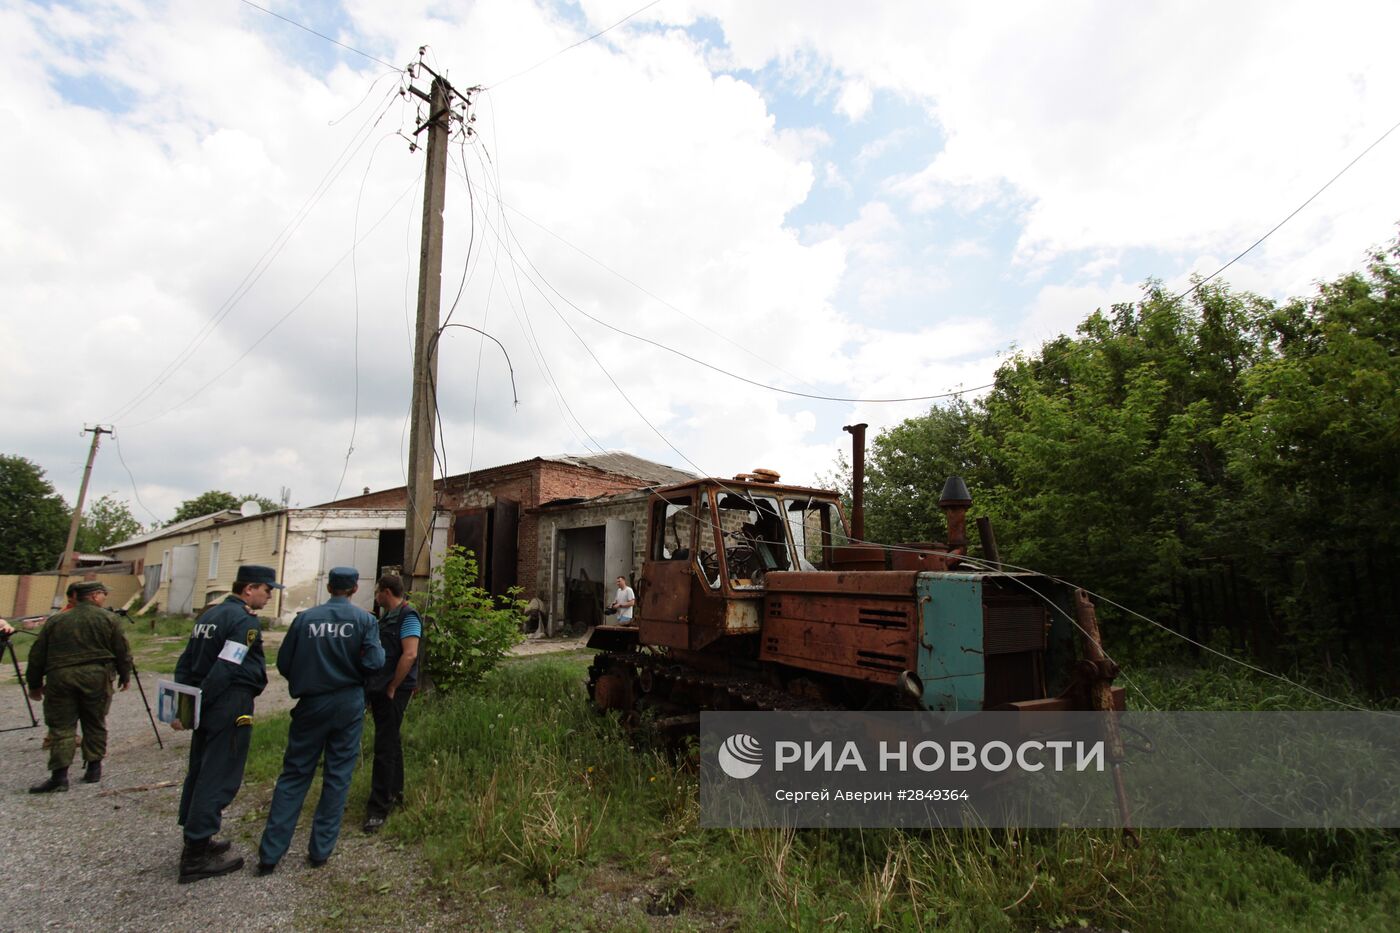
(219, 846)
(58, 781)
(93, 774)
(198, 861)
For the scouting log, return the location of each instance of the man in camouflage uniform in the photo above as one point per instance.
(71, 668)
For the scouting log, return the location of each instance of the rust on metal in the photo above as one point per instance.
(867, 583)
(857, 432)
(955, 501)
(923, 556)
(1102, 672)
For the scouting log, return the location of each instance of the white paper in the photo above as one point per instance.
(168, 694)
(233, 651)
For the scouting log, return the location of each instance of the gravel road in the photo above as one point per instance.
(104, 857)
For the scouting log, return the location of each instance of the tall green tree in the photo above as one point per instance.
(907, 466)
(1314, 459)
(1107, 460)
(33, 518)
(1171, 437)
(106, 521)
(216, 500)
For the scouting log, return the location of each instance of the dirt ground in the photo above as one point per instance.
(104, 857)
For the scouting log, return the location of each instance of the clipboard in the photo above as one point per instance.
(178, 701)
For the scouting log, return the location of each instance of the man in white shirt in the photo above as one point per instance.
(623, 601)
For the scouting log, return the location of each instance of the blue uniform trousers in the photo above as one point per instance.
(218, 751)
(329, 724)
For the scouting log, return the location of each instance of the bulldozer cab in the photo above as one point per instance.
(712, 545)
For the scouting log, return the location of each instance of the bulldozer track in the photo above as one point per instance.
(656, 682)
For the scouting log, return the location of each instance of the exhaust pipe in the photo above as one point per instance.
(858, 479)
(955, 501)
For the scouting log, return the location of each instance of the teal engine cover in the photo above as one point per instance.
(989, 639)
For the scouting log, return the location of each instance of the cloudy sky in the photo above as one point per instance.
(209, 218)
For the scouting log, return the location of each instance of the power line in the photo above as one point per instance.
(321, 35)
(532, 341)
(122, 460)
(599, 363)
(650, 294)
(1294, 213)
(259, 268)
(355, 279)
(283, 319)
(569, 48)
(719, 369)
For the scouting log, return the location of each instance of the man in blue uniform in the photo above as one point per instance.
(388, 693)
(224, 658)
(325, 657)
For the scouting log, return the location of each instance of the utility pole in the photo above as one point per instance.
(418, 522)
(65, 564)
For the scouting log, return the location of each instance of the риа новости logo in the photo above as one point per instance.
(741, 756)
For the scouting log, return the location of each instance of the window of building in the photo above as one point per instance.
(213, 560)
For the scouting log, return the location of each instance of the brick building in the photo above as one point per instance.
(540, 523)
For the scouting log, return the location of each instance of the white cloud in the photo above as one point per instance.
(630, 148)
(1190, 129)
(1090, 130)
(854, 100)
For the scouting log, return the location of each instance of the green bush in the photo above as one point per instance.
(467, 631)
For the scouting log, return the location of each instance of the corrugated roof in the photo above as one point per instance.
(188, 524)
(624, 464)
(612, 461)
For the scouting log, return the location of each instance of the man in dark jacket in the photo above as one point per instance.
(224, 658)
(325, 657)
(388, 693)
(71, 668)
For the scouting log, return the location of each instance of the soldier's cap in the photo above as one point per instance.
(88, 587)
(257, 573)
(343, 578)
(72, 588)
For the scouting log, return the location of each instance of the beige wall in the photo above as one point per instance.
(9, 588)
(250, 541)
(32, 594)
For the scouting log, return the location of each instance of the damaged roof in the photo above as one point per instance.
(624, 464)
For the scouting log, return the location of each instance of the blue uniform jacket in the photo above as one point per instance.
(200, 664)
(330, 647)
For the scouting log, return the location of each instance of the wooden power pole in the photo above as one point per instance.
(418, 523)
(65, 564)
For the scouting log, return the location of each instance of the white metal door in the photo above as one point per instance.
(361, 552)
(184, 564)
(617, 555)
(152, 584)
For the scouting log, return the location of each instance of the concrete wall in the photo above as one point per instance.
(531, 484)
(552, 522)
(304, 568)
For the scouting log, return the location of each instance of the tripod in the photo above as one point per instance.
(5, 645)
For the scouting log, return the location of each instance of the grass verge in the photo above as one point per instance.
(532, 812)
(520, 793)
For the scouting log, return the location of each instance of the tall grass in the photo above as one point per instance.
(522, 790)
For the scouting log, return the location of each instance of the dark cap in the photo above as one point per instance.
(256, 573)
(88, 587)
(72, 589)
(343, 578)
